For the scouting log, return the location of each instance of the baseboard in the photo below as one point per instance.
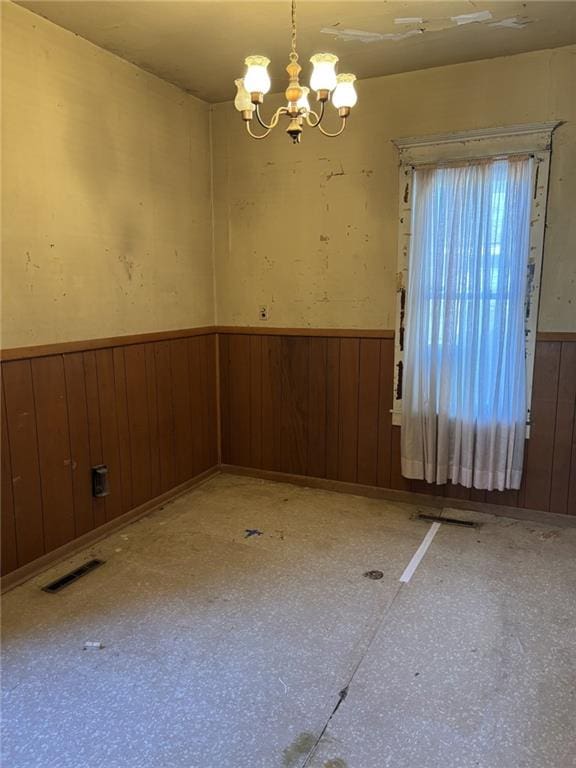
(32, 569)
(407, 497)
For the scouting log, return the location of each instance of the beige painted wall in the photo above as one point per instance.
(311, 230)
(106, 192)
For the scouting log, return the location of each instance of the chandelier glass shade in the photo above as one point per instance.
(324, 81)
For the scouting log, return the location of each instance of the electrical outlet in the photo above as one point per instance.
(263, 312)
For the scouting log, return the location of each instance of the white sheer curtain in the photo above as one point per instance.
(464, 379)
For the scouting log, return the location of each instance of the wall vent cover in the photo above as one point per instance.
(69, 578)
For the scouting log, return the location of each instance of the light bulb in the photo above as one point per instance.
(345, 94)
(302, 102)
(324, 73)
(242, 101)
(257, 79)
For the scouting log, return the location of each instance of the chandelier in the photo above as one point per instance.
(339, 89)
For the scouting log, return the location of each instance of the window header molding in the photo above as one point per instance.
(524, 129)
(475, 144)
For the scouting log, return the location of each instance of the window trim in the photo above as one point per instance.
(534, 139)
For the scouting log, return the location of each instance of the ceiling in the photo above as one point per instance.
(201, 45)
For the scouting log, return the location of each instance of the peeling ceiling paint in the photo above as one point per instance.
(200, 46)
(472, 18)
(513, 22)
(358, 35)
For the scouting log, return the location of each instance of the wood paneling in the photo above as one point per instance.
(332, 407)
(94, 429)
(321, 406)
(25, 464)
(298, 403)
(564, 458)
(368, 411)
(317, 371)
(54, 452)
(535, 493)
(385, 402)
(124, 445)
(109, 430)
(147, 411)
(255, 401)
(239, 399)
(139, 420)
(271, 402)
(348, 410)
(7, 522)
(294, 360)
(79, 442)
(166, 448)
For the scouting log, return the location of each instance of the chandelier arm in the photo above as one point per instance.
(333, 135)
(255, 135)
(275, 117)
(319, 117)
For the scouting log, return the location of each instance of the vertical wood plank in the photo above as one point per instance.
(368, 411)
(94, 429)
(7, 520)
(571, 508)
(123, 427)
(386, 388)
(53, 450)
(316, 460)
(256, 401)
(224, 394)
(239, 402)
(565, 416)
(348, 414)
(182, 408)
(332, 407)
(271, 402)
(138, 421)
(210, 398)
(197, 415)
(165, 415)
(109, 431)
(79, 442)
(155, 484)
(26, 487)
(294, 412)
(541, 451)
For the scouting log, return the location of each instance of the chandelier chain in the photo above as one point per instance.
(293, 54)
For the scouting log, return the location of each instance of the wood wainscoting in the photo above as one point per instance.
(308, 405)
(146, 408)
(162, 409)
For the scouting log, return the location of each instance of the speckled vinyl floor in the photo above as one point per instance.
(222, 650)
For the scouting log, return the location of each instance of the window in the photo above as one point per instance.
(471, 233)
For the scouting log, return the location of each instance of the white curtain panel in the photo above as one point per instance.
(464, 378)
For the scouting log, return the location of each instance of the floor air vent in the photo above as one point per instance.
(69, 578)
(447, 520)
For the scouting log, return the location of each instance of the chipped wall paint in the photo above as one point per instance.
(106, 193)
(311, 230)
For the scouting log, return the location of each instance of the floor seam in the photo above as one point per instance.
(344, 692)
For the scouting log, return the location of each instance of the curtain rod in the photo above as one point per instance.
(473, 160)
